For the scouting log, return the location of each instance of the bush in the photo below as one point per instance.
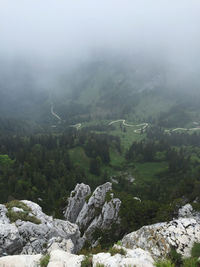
(87, 261)
(191, 262)
(44, 260)
(87, 250)
(17, 204)
(115, 250)
(108, 196)
(195, 252)
(175, 257)
(22, 215)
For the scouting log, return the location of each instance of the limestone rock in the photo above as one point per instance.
(100, 211)
(10, 240)
(60, 258)
(136, 257)
(76, 201)
(108, 215)
(186, 211)
(158, 238)
(25, 237)
(94, 205)
(59, 243)
(20, 261)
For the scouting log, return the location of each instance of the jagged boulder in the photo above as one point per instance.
(158, 238)
(99, 210)
(32, 235)
(76, 202)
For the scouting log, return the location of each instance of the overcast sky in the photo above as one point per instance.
(49, 31)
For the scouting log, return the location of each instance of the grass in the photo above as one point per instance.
(165, 263)
(127, 137)
(78, 155)
(22, 215)
(147, 171)
(44, 261)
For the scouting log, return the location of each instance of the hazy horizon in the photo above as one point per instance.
(51, 37)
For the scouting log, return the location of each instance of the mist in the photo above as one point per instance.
(48, 38)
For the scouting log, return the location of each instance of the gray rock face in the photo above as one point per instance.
(100, 211)
(76, 202)
(24, 237)
(158, 238)
(185, 212)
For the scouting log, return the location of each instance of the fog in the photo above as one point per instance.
(50, 37)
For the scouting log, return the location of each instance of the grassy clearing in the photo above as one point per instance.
(147, 171)
(116, 159)
(126, 135)
(78, 156)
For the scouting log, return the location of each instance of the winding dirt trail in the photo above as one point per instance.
(143, 125)
(183, 129)
(54, 114)
(77, 126)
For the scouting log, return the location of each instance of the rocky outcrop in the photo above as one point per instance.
(26, 237)
(158, 238)
(76, 202)
(58, 258)
(99, 210)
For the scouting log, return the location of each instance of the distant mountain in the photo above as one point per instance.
(109, 88)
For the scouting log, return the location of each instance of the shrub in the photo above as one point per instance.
(191, 262)
(115, 250)
(195, 252)
(175, 257)
(17, 204)
(108, 196)
(44, 260)
(87, 261)
(87, 250)
(88, 197)
(22, 215)
(119, 243)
